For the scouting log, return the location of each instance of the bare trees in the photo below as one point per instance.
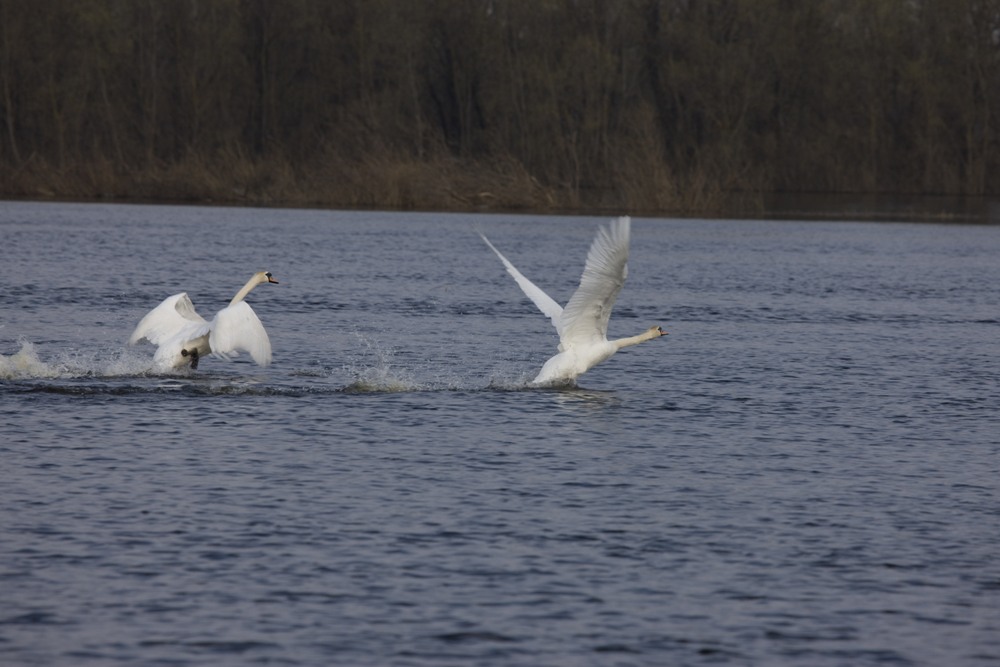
(643, 103)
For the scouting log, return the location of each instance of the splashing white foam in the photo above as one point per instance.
(26, 364)
(499, 381)
(376, 372)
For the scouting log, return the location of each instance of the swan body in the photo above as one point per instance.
(182, 336)
(583, 324)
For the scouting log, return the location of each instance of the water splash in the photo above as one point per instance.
(376, 370)
(26, 364)
(509, 380)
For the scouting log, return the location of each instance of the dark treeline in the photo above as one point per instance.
(669, 105)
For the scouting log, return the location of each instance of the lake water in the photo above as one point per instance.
(804, 472)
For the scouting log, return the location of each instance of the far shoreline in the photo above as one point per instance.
(832, 207)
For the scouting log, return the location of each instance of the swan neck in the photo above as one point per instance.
(633, 340)
(246, 289)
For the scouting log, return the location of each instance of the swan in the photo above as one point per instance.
(583, 324)
(182, 336)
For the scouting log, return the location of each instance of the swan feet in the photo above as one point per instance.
(194, 357)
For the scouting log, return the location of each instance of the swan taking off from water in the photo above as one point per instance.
(583, 324)
(182, 336)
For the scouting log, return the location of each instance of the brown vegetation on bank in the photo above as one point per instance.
(674, 106)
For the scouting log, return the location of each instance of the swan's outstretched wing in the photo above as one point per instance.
(585, 318)
(237, 329)
(174, 314)
(545, 303)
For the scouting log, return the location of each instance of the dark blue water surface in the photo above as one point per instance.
(804, 472)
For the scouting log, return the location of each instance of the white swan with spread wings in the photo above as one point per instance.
(183, 337)
(583, 324)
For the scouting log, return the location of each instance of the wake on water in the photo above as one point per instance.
(375, 370)
(25, 364)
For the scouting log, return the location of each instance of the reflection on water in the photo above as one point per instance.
(905, 208)
(570, 396)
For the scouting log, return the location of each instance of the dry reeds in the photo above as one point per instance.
(379, 180)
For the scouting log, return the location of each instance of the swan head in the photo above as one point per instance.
(258, 278)
(656, 331)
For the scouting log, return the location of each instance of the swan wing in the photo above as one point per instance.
(545, 303)
(585, 318)
(174, 315)
(237, 328)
